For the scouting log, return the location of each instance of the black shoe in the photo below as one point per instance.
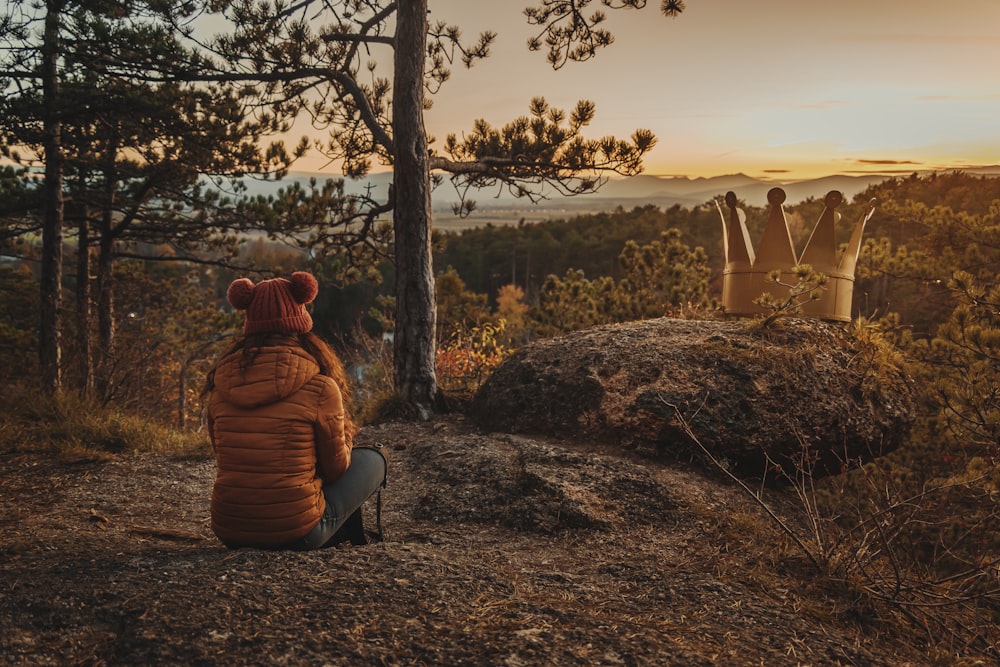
(352, 530)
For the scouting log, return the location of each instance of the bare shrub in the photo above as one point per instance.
(932, 556)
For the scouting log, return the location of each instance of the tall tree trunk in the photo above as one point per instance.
(414, 343)
(86, 357)
(105, 307)
(105, 274)
(49, 346)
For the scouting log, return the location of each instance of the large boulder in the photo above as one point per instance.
(798, 396)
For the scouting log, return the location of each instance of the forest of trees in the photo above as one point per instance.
(928, 265)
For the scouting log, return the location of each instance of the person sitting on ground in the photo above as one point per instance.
(288, 475)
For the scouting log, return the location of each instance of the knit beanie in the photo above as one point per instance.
(275, 306)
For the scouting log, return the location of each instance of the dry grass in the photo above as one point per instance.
(76, 428)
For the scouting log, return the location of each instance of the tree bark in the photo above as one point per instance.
(86, 359)
(414, 343)
(105, 306)
(49, 344)
(105, 273)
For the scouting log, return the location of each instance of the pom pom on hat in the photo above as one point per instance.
(275, 306)
(240, 293)
(304, 287)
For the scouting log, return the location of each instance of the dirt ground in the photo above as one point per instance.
(498, 550)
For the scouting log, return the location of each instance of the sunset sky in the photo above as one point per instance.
(771, 88)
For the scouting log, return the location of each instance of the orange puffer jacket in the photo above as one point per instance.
(277, 427)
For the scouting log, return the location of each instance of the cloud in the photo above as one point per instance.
(886, 162)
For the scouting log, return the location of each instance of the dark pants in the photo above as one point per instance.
(362, 479)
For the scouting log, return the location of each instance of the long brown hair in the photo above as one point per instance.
(317, 348)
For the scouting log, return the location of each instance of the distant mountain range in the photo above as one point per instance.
(663, 191)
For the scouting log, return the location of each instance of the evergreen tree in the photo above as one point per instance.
(572, 303)
(31, 38)
(966, 354)
(662, 277)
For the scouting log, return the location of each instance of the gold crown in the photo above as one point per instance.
(745, 277)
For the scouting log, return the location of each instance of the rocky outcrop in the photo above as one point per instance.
(801, 395)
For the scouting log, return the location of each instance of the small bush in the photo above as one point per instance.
(470, 356)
